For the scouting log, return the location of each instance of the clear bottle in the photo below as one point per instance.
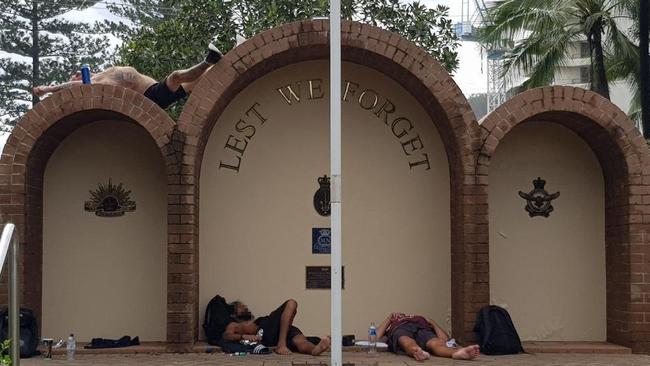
(71, 347)
(372, 339)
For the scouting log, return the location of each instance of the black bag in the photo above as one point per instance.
(217, 316)
(28, 331)
(496, 333)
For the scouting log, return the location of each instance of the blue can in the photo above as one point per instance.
(85, 74)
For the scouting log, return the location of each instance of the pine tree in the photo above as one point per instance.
(40, 46)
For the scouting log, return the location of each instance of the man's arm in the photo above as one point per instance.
(439, 331)
(381, 331)
(232, 335)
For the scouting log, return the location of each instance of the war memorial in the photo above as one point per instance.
(131, 222)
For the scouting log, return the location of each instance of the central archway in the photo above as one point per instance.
(368, 46)
(257, 217)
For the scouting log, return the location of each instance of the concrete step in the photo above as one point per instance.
(574, 347)
(203, 347)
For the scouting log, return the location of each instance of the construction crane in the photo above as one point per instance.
(467, 30)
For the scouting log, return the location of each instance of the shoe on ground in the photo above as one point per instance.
(261, 349)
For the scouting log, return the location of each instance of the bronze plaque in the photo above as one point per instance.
(320, 277)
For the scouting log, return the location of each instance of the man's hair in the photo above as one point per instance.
(239, 317)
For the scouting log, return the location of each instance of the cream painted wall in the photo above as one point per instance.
(549, 273)
(255, 225)
(105, 277)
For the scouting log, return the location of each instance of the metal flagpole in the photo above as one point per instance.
(335, 171)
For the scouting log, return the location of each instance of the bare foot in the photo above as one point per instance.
(466, 353)
(39, 91)
(322, 346)
(283, 350)
(420, 354)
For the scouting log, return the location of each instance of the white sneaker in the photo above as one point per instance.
(214, 55)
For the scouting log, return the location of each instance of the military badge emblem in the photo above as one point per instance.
(110, 200)
(538, 201)
(322, 197)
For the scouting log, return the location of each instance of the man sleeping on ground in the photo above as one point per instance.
(278, 330)
(416, 336)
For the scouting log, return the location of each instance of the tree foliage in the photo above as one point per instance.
(627, 66)
(537, 35)
(173, 34)
(41, 46)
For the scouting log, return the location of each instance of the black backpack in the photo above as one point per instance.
(28, 331)
(496, 333)
(217, 316)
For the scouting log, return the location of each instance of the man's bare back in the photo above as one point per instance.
(125, 76)
(171, 89)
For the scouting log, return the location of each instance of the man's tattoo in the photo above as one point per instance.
(124, 78)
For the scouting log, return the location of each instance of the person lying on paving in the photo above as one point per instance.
(416, 336)
(166, 92)
(278, 330)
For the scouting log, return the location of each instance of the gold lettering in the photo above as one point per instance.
(387, 107)
(412, 143)
(252, 108)
(347, 89)
(315, 85)
(424, 161)
(404, 131)
(247, 130)
(291, 93)
(235, 147)
(232, 167)
(374, 103)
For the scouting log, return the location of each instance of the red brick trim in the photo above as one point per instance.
(363, 44)
(625, 160)
(30, 146)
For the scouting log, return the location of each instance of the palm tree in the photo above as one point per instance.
(627, 65)
(537, 36)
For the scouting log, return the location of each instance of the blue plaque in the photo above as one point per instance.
(321, 240)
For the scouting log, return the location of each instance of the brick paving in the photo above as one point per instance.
(358, 359)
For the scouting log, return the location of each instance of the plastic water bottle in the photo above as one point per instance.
(372, 339)
(71, 346)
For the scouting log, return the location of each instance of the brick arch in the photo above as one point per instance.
(625, 161)
(362, 44)
(30, 145)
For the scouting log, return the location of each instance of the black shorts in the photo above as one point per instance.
(271, 326)
(160, 94)
(416, 331)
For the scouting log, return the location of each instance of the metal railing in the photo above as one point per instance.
(9, 245)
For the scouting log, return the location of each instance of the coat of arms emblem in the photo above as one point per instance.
(539, 200)
(322, 196)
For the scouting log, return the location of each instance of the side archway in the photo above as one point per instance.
(44, 132)
(624, 160)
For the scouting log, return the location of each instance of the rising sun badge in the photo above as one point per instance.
(110, 200)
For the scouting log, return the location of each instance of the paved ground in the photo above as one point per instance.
(358, 359)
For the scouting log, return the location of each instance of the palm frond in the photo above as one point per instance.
(538, 56)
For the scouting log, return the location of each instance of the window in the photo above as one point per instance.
(585, 72)
(584, 50)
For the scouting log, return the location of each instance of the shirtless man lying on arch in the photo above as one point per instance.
(164, 93)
